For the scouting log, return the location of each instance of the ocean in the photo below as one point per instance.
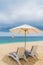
(7, 40)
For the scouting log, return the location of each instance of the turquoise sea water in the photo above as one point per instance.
(5, 40)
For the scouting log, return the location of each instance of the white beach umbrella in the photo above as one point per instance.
(25, 29)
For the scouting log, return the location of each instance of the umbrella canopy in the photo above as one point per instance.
(25, 29)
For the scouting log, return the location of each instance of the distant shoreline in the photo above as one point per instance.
(8, 40)
(20, 42)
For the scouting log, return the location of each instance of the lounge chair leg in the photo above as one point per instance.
(17, 59)
(25, 59)
(18, 62)
(32, 55)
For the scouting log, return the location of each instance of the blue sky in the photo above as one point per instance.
(18, 12)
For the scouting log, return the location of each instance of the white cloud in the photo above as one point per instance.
(10, 34)
(5, 34)
(29, 11)
(22, 10)
(3, 17)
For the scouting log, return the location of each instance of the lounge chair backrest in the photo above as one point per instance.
(33, 50)
(21, 52)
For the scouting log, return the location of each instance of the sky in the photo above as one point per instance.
(17, 12)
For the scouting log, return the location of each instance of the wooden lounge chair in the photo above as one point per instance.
(18, 55)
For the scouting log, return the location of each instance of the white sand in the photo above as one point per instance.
(7, 48)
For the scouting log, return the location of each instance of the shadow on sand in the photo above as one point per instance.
(9, 61)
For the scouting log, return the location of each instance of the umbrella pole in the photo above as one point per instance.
(25, 39)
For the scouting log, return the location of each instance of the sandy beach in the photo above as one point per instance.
(5, 49)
